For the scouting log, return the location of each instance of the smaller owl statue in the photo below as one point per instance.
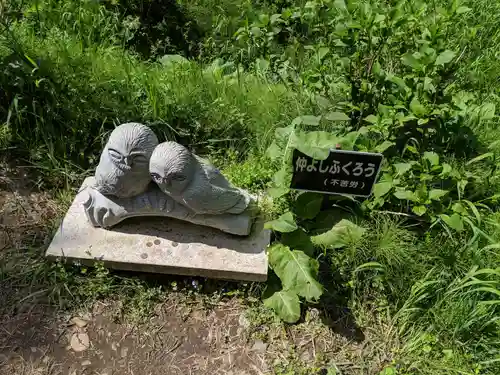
(123, 169)
(194, 182)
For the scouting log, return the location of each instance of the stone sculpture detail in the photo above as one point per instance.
(123, 167)
(194, 182)
(186, 186)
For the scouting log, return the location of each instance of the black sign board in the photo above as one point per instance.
(343, 172)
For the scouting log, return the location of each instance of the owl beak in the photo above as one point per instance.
(128, 161)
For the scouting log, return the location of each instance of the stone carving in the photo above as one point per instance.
(185, 186)
(123, 167)
(193, 182)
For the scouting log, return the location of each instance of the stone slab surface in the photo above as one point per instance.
(161, 245)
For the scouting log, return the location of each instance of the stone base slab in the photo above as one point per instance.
(161, 245)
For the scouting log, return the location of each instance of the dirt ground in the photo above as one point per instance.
(181, 336)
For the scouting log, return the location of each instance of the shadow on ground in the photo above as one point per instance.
(194, 326)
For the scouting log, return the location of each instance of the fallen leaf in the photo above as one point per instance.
(79, 322)
(80, 342)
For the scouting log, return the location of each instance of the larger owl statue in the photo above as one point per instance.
(194, 182)
(123, 169)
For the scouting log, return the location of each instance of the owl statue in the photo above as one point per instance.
(123, 169)
(194, 182)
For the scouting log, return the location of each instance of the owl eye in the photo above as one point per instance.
(115, 154)
(178, 177)
(156, 177)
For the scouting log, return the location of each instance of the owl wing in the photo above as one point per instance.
(213, 199)
(212, 173)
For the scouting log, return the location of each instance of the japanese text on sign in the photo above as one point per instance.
(358, 169)
(342, 172)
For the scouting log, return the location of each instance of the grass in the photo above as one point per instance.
(426, 300)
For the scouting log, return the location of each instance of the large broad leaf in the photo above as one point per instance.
(402, 168)
(419, 210)
(436, 194)
(432, 157)
(285, 223)
(417, 108)
(445, 57)
(487, 111)
(285, 304)
(173, 59)
(409, 60)
(308, 205)
(384, 146)
(406, 195)
(298, 240)
(296, 271)
(381, 189)
(316, 144)
(342, 234)
(337, 116)
(274, 152)
(454, 221)
(277, 192)
(310, 120)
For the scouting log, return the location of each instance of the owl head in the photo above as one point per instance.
(123, 169)
(172, 166)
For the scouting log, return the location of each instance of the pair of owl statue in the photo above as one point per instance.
(138, 176)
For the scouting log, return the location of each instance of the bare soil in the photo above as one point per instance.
(182, 335)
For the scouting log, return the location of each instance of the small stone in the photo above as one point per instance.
(260, 346)
(114, 346)
(86, 363)
(33, 349)
(79, 322)
(124, 352)
(80, 342)
(243, 321)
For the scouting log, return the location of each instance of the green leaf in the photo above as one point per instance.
(277, 192)
(371, 119)
(463, 9)
(274, 152)
(298, 240)
(310, 120)
(445, 57)
(296, 271)
(406, 195)
(417, 108)
(285, 303)
(402, 168)
(285, 223)
(436, 194)
(409, 60)
(343, 233)
(459, 208)
(337, 116)
(322, 52)
(432, 157)
(419, 210)
(389, 371)
(480, 157)
(398, 81)
(487, 111)
(316, 144)
(454, 221)
(262, 65)
(384, 146)
(308, 205)
(446, 170)
(340, 4)
(382, 188)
